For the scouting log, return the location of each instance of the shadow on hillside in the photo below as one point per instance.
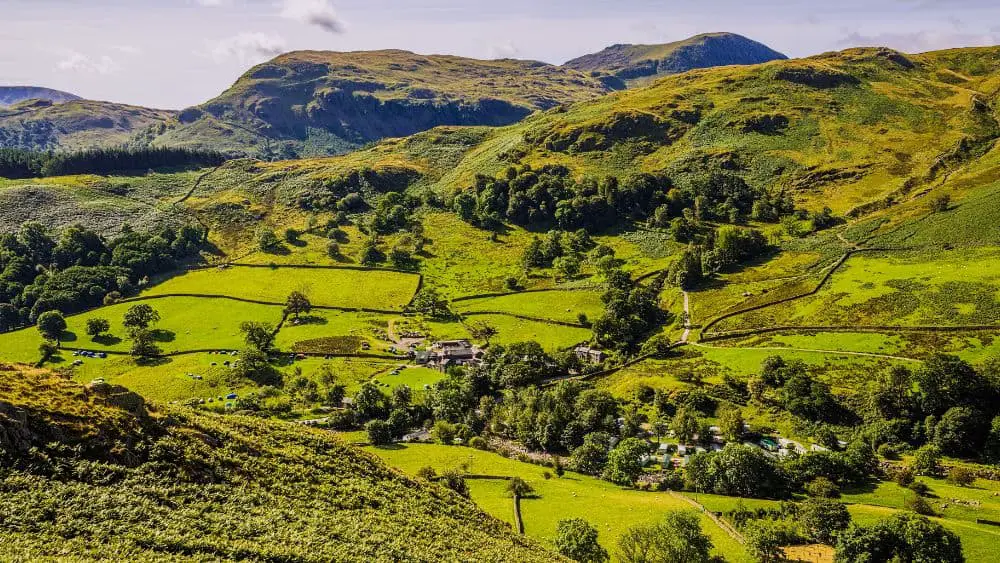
(308, 320)
(153, 362)
(161, 335)
(391, 447)
(106, 340)
(68, 337)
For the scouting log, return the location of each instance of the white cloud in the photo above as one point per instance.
(313, 12)
(246, 47)
(506, 50)
(211, 3)
(78, 62)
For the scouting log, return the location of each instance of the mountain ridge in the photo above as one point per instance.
(12, 95)
(632, 62)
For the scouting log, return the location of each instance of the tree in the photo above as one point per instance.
(927, 460)
(97, 327)
(763, 541)
(267, 241)
(960, 432)
(625, 462)
(10, 318)
(731, 424)
(677, 538)
(567, 266)
(577, 540)
(297, 303)
(592, 455)
(369, 401)
(824, 518)
(47, 349)
(821, 487)
(258, 335)
(256, 366)
(333, 250)
(518, 488)
(902, 537)
(292, 236)
(143, 345)
(51, 325)
(430, 302)
(444, 432)
(941, 203)
(482, 330)
(685, 425)
(379, 432)
(140, 317)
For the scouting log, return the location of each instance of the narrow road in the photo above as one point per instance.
(687, 319)
(718, 521)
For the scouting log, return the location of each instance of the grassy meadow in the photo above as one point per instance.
(572, 496)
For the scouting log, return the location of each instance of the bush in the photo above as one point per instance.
(821, 487)
(478, 443)
(577, 540)
(904, 476)
(919, 487)
(823, 519)
(927, 460)
(961, 476)
(918, 504)
(763, 541)
(427, 472)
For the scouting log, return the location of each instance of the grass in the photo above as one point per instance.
(572, 496)
(551, 337)
(554, 305)
(330, 288)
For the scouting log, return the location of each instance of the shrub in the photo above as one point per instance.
(823, 519)
(478, 443)
(926, 461)
(961, 476)
(919, 487)
(821, 487)
(763, 541)
(904, 476)
(427, 472)
(918, 504)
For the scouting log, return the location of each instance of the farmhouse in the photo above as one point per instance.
(446, 353)
(590, 355)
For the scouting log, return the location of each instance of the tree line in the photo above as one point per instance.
(20, 164)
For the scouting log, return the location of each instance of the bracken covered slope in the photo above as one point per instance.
(94, 474)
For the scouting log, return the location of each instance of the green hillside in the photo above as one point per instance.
(76, 125)
(319, 102)
(10, 95)
(634, 64)
(172, 485)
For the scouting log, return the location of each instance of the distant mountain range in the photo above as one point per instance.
(10, 95)
(635, 62)
(311, 103)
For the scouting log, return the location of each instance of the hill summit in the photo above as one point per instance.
(10, 95)
(634, 62)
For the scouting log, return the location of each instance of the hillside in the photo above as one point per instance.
(76, 125)
(631, 63)
(10, 95)
(317, 102)
(156, 485)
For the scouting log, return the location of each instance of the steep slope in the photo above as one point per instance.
(74, 125)
(315, 102)
(93, 473)
(634, 62)
(10, 95)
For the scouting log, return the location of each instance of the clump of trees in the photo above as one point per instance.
(550, 197)
(79, 268)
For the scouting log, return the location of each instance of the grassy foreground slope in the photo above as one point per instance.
(155, 486)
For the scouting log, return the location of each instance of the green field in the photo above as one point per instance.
(187, 323)
(562, 306)
(369, 289)
(611, 509)
(551, 337)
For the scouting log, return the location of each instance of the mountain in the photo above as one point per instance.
(630, 63)
(317, 102)
(77, 124)
(10, 95)
(96, 473)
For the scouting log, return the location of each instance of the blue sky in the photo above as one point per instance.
(177, 53)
